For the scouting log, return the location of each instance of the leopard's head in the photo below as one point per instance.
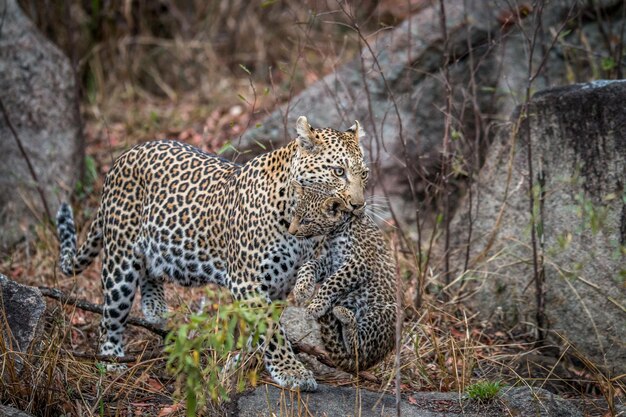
(333, 160)
(316, 212)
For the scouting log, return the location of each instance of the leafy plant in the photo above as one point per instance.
(484, 391)
(200, 350)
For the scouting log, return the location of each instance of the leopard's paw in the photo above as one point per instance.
(294, 376)
(115, 368)
(112, 350)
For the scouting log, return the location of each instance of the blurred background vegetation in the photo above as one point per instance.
(155, 59)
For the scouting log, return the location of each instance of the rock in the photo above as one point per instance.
(578, 144)
(413, 116)
(349, 401)
(403, 113)
(6, 411)
(21, 309)
(39, 95)
(300, 327)
(525, 401)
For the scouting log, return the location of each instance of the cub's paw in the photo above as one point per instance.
(344, 315)
(318, 308)
(303, 291)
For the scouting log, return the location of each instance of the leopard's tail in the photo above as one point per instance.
(70, 261)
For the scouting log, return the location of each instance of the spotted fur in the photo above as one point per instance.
(170, 211)
(355, 304)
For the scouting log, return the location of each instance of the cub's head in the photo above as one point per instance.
(316, 212)
(331, 159)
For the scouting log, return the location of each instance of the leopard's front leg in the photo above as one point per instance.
(280, 360)
(310, 273)
(345, 280)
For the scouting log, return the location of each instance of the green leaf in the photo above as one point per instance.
(192, 403)
(607, 63)
(225, 147)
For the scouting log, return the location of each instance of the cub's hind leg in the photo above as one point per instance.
(340, 339)
(356, 344)
(349, 328)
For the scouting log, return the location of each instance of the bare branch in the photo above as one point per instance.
(322, 356)
(117, 359)
(87, 306)
(56, 294)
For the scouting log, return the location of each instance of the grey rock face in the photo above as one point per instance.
(350, 401)
(6, 411)
(537, 402)
(397, 91)
(578, 145)
(38, 92)
(400, 111)
(22, 308)
(301, 327)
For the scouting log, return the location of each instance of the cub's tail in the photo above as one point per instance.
(70, 261)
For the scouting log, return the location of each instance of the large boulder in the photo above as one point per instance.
(398, 91)
(39, 96)
(21, 311)
(575, 292)
(351, 401)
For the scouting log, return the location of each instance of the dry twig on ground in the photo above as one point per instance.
(59, 295)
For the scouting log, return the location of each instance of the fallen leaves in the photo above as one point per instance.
(169, 410)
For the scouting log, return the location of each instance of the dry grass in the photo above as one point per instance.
(179, 70)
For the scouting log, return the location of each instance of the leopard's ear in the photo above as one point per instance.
(306, 136)
(357, 130)
(334, 206)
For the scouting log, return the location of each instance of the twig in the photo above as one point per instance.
(322, 356)
(117, 359)
(399, 322)
(27, 159)
(87, 306)
(56, 294)
(445, 160)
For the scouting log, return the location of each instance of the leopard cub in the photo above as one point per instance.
(355, 304)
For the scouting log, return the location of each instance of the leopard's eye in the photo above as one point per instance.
(339, 171)
(365, 174)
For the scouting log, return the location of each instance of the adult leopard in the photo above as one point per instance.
(169, 210)
(355, 304)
